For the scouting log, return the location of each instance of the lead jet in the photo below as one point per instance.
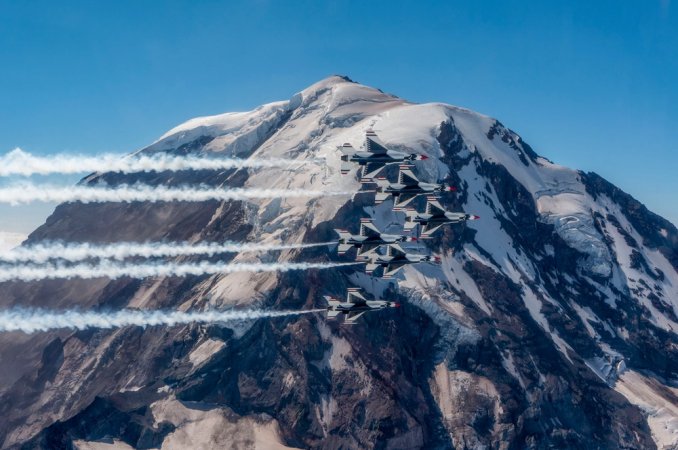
(433, 218)
(407, 188)
(374, 157)
(355, 306)
(395, 259)
(369, 238)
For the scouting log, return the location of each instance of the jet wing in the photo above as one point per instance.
(403, 200)
(392, 269)
(434, 207)
(428, 230)
(332, 314)
(368, 247)
(373, 144)
(367, 228)
(371, 169)
(354, 296)
(395, 250)
(352, 317)
(406, 176)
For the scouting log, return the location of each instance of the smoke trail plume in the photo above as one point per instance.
(26, 193)
(30, 321)
(19, 162)
(43, 252)
(107, 269)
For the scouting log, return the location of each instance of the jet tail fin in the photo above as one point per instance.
(332, 305)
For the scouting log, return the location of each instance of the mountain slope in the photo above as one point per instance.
(552, 321)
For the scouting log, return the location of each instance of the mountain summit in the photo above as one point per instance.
(552, 321)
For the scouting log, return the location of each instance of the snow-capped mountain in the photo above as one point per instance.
(552, 321)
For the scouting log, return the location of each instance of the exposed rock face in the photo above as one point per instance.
(551, 322)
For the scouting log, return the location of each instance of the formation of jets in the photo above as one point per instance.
(383, 252)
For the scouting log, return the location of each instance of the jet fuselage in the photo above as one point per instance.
(448, 217)
(396, 189)
(408, 258)
(389, 157)
(383, 239)
(369, 305)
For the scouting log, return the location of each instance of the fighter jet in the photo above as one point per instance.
(355, 306)
(407, 188)
(374, 157)
(435, 217)
(369, 238)
(395, 259)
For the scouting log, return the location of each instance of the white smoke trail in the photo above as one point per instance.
(43, 252)
(26, 193)
(30, 321)
(19, 162)
(107, 269)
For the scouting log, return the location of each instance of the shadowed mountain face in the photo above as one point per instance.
(551, 322)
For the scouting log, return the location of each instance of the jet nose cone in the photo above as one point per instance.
(396, 305)
(423, 157)
(451, 189)
(475, 217)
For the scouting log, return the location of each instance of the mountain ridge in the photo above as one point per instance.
(560, 260)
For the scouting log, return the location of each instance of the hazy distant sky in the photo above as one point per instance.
(589, 84)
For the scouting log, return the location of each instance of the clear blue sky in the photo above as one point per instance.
(590, 84)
